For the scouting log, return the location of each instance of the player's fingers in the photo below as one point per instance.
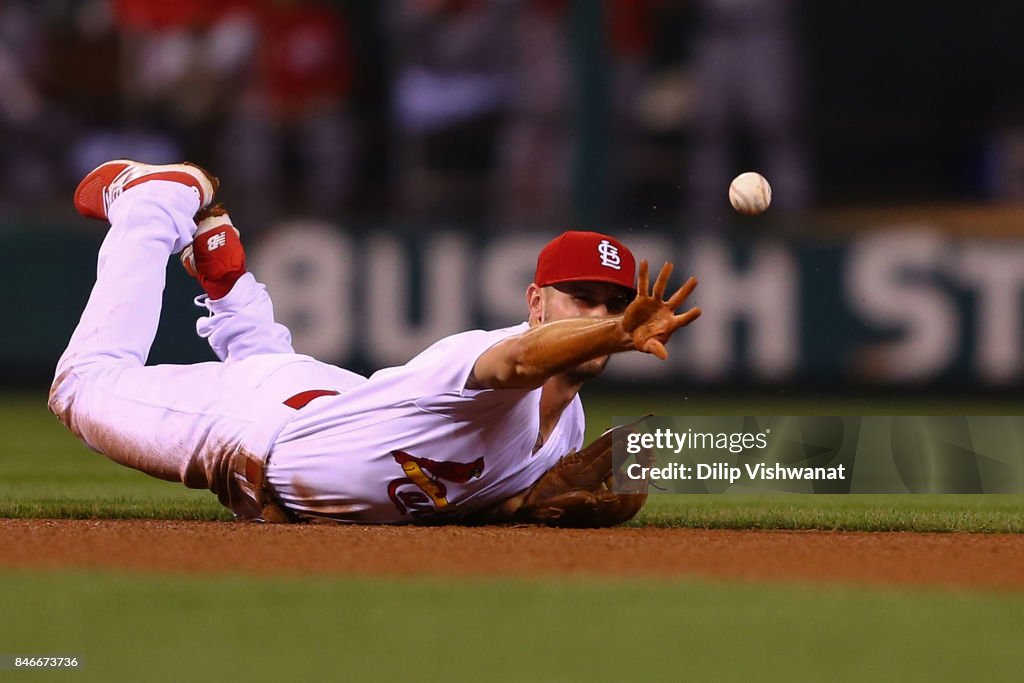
(662, 281)
(684, 319)
(641, 279)
(655, 348)
(682, 293)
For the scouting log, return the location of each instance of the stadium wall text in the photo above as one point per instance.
(886, 307)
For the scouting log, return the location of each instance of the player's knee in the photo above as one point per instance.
(63, 390)
(57, 393)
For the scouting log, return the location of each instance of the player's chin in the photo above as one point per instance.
(588, 370)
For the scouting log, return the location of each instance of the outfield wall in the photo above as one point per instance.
(897, 308)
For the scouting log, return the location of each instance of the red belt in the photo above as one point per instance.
(301, 399)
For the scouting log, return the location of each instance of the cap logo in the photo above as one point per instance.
(609, 255)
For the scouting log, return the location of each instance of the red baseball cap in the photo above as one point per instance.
(577, 255)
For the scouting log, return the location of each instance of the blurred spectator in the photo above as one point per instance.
(171, 71)
(26, 171)
(536, 144)
(253, 88)
(539, 143)
(748, 95)
(291, 121)
(453, 61)
(175, 67)
(630, 44)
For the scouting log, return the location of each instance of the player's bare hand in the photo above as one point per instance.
(651, 319)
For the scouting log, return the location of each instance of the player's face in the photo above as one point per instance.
(583, 300)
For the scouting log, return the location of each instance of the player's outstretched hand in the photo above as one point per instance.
(650, 319)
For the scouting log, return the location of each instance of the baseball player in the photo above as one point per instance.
(472, 421)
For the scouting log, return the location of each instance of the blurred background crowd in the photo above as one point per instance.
(379, 155)
(502, 114)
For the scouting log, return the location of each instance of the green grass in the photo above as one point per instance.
(116, 508)
(858, 512)
(46, 473)
(171, 628)
(227, 629)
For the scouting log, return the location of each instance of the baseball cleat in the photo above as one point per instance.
(105, 183)
(215, 257)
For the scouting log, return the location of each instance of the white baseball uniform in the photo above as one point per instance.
(409, 443)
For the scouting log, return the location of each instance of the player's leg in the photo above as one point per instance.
(241, 322)
(180, 423)
(173, 422)
(151, 211)
(141, 417)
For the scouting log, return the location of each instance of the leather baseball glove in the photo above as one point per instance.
(584, 489)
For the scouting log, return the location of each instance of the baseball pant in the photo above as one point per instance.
(186, 423)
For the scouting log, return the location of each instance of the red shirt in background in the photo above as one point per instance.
(305, 58)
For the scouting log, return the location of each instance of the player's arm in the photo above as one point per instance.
(528, 360)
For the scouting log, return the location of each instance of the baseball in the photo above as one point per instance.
(750, 193)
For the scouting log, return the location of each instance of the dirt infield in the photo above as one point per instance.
(952, 560)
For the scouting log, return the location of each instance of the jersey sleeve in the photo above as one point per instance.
(450, 361)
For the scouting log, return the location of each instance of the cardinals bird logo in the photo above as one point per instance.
(429, 477)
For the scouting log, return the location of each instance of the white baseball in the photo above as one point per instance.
(750, 193)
